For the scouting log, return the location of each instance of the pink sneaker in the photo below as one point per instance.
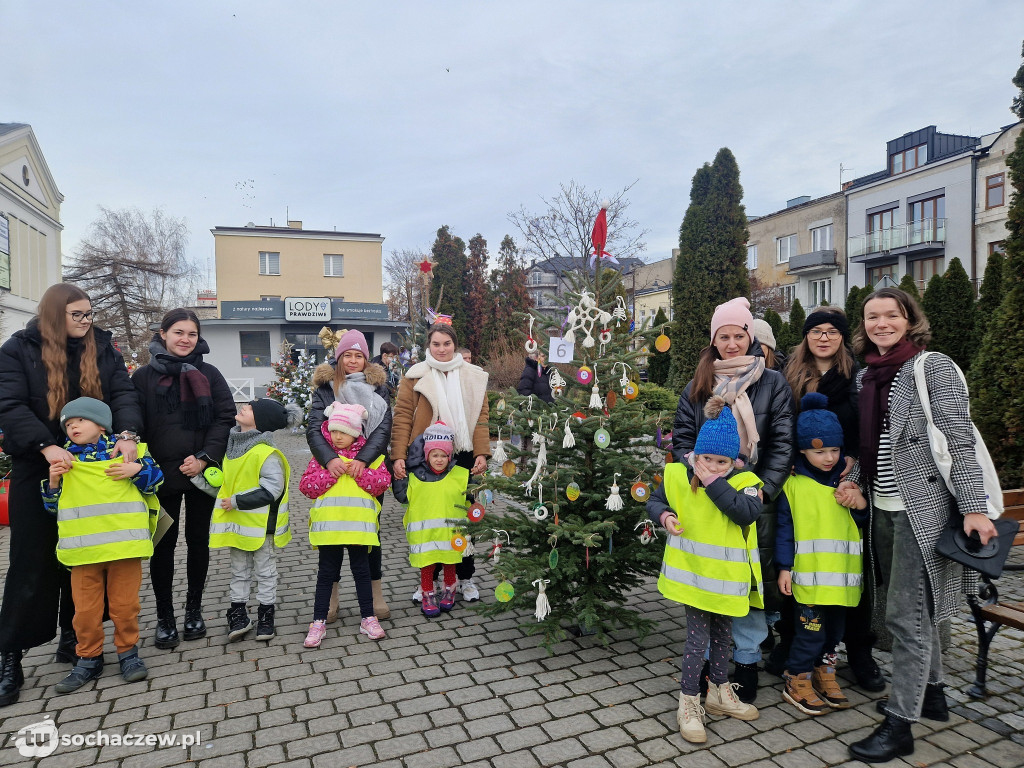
(371, 628)
(448, 598)
(317, 630)
(429, 606)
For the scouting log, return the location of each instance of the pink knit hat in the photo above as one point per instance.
(352, 340)
(344, 417)
(733, 312)
(438, 437)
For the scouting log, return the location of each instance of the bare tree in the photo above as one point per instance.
(403, 283)
(765, 296)
(134, 269)
(564, 229)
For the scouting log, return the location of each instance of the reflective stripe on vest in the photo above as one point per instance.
(713, 565)
(246, 529)
(435, 509)
(345, 514)
(828, 562)
(118, 528)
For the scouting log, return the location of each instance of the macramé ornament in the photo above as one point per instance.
(595, 395)
(542, 460)
(543, 606)
(568, 441)
(614, 501)
(499, 456)
(470, 550)
(531, 343)
(619, 313)
(584, 316)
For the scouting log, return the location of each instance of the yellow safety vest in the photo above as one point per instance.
(434, 511)
(100, 519)
(714, 565)
(346, 514)
(246, 529)
(828, 566)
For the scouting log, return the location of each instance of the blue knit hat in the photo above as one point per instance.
(718, 435)
(817, 426)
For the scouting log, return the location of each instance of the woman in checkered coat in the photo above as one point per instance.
(910, 505)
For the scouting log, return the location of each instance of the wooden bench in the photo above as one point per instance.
(990, 614)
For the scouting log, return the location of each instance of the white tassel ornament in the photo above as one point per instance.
(470, 550)
(614, 501)
(568, 441)
(543, 605)
(499, 456)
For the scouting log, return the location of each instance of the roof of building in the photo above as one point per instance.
(807, 204)
(254, 230)
(11, 127)
(944, 145)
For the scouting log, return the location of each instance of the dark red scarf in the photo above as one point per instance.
(874, 399)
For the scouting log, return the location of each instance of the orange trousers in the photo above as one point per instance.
(120, 581)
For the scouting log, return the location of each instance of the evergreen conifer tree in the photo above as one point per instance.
(792, 331)
(477, 299)
(293, 373)
(954, 323)
(998, 397)
(933, 303)
(851, 306)
(712, 263)
(991, 295)
(450, 267)
(590, 555)
(774, 319)
(509, 298)
(658, 363)
(909, 285)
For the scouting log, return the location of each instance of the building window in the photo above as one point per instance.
(786, 248)
(821, 238)
(874, 274)
(751, 257)
(923, 270)
(334, 265)
(536, 277)
(908, 160)
(788, 294)
(882, 220)
(255, 347)
(926, 219)
(270, 298)
(994, 191)
(820, 292)
(270, 263)
(997, 247)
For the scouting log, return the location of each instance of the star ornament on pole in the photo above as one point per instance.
(426, 266)
(599, 236)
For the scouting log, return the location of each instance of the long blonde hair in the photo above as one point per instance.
(53, 327)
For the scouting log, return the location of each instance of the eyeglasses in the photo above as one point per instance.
(814, 333)
(80, 316)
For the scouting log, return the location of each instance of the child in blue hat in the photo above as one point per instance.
(711, 562)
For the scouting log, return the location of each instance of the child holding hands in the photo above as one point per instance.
(711, 563)
(106, 515)
(818, 553)
(345, 515)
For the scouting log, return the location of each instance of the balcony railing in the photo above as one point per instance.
(913, 233)
(542, 278)
(813, 260)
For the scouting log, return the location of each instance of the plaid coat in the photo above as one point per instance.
(928, 502)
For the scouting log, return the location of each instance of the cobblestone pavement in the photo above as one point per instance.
(462, 691)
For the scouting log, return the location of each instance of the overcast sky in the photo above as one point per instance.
(399, 117)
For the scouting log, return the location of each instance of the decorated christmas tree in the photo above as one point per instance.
(574, 539)
(293, 374)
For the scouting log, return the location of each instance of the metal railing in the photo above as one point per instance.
(901, 236)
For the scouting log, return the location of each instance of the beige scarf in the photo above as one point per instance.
(732, 379)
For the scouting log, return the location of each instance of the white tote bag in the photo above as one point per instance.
(940, 447)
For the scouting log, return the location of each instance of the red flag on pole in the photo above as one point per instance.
(599, 237)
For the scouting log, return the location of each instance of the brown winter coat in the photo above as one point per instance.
(414, 409)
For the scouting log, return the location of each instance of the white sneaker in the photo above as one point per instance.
(690, 718)
(470, 592)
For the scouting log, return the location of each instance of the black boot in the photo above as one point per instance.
(265, 622)
(166, 628)
(865, 670)
(66, 645)
(891, 739)
(83, 671)
(11, 677)
(776, 663)
(934, 707)
(746, 676)
(239, 622)
(195, 627)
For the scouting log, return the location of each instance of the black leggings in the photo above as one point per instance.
(198, 511)
(329, 571)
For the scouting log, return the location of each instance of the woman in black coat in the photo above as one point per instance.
(58, 357)
(733, 366)
(188, 412)
(534, 379)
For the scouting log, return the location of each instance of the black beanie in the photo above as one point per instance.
(823, 316)
(268, 414)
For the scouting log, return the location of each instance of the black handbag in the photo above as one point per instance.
(986, 559)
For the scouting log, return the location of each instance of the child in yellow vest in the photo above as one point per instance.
(345, 516)
(250, 516)
(711, 562)
(818, 554)
(106, 514)
(435, 490)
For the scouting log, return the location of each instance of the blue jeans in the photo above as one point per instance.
(916, 648)
(748, 632)
(819, 628)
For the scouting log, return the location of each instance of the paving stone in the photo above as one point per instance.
(400, 746)
(312, 745)
(356, 756)
(559, 752)
(280, 734)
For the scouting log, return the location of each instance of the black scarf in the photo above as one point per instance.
(192, 394)
(874, 399)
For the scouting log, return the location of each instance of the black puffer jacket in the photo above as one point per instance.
(377, 442)
(24, 412)
(532, 383)
(168, 439)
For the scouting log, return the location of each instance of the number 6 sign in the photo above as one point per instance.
(560, 350)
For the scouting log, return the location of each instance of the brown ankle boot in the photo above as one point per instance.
(799, 692)
(332, 610)
(380, 607)
(824, 681)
